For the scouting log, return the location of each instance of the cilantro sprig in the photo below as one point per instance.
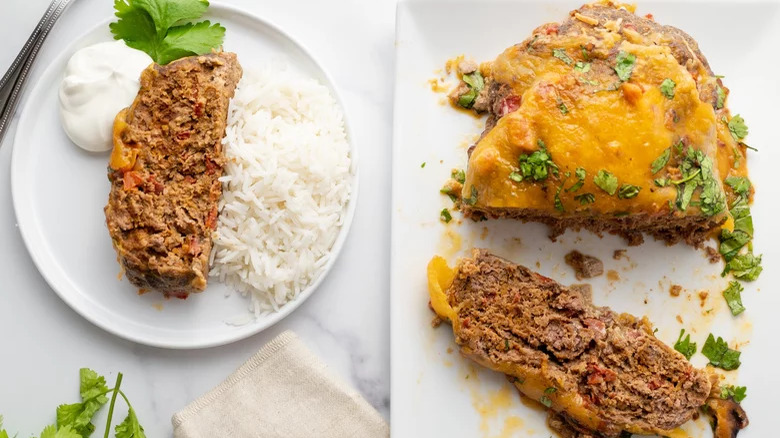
(164, 28)
(719, 353)
(75, 420)
(685, 346)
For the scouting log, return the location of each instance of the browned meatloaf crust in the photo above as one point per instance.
(596, 369)
(164, 172)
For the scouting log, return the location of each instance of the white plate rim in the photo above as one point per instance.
(34, 241)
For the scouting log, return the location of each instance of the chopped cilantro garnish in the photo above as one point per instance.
(582, 67)
(445, 216)
(537, 165)
(628, 191)
(563, 108)
(471, 200)
(624, 65)
(661, 182)
(606, 181)
(422, 166)
(745, 267)
(558, 204)
(685, 346)
(738, 128)
(585, 54)
(545, 399)
(732, 241)
(736, 393)
(740, 185)
(719, 353)
(721, 97)
(459, 175)
(585, 198)
(696, 169)
(561, 54)
(733, 296)
(667, 88)
(580, 174)
(476, 82)
(661, 162)
(516, 177)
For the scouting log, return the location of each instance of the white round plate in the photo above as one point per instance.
(59, 192)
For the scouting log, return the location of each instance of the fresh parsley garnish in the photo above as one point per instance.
(445, 216)
(580, 174)
(585, 198)
(582, 67)
(667, 88)
(719, 353)
(733, 296)
(740, 185)
(459, 175)
(471, 200)
(721, 97)
(545, 399)
(606, 181)
(164, 29)
(624, 65)
(535, 166)
(737, 127)
(628, 191)
(561, 54)
(736, 393)
(685, 346)
(661, 162)
(745, 267)
(475, 82)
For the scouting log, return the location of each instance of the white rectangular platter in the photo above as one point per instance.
(437, 393)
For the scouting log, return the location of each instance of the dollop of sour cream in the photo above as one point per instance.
(99, 81)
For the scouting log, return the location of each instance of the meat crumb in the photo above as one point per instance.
(436, 321)
(613, 275)
(585, 266)
(619, 254)
(675, 290)
(712, 254)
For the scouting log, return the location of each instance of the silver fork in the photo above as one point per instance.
(12, 82)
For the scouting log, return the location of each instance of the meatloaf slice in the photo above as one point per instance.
(164, 172)
(596, 369)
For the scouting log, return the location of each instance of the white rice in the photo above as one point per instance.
(285, 188)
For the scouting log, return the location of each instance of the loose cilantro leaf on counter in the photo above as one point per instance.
(628, 191)
(580, 174)
(661, 162)
(736, 393)
(737, 127)
(582, 67)
(745, 267)
(445, 216)
(79, 415)
(561, 54)
(606, 181)
(685, 346)
(667, 88)
(129, 428)
(719, 353)
(585, 198)
(164, 29)
(721, 97)
(733, 296)
(64, 432)
(740, 185)
(624, 65)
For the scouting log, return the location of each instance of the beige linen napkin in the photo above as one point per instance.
(283, 391)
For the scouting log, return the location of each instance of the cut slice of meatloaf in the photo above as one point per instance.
(164, 172)
(609, 122)
(599, 370)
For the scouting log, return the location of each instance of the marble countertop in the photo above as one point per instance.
(43, 342)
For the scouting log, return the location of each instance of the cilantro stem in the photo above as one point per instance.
(690, 177)
(129, 406)
(113, 401)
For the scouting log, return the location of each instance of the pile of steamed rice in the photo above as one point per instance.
(285, 189)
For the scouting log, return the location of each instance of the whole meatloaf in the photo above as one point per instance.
(164, 170)
(606, 121)
(595, 369)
